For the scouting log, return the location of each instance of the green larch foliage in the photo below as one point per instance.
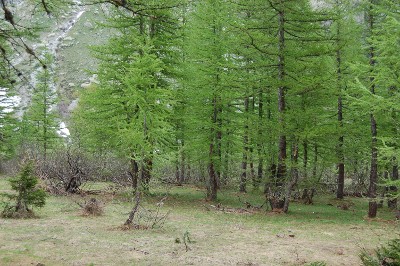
(41, 116)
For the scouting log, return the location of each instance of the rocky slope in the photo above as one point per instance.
(68, 38)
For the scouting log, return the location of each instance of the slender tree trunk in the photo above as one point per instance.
(182, 170)
(243, 177)
(189, 172)
(251, 141)
(177, 174)
(180, 166)
(281, 171)
(373, 179)
(134, 210)
(252, 171)
(134, 173)
(340, 155)
(225, 171)
(219, 147)
(315, 163)
(260, 139)
(294, 177)
(305, 158)
(213, 186)
(213, 181)
(392, 203)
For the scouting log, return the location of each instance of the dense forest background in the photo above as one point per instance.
(291, 97)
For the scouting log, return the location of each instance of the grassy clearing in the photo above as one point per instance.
(321, 232)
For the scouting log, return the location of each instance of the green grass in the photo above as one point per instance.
(322, 233)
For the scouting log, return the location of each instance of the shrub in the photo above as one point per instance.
(28, 195)
(92, 208)
(386, 255)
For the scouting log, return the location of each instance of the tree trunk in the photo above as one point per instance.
(213, 181)
(180, 167)
(295, 177)
(373, 179)
(252, 171)
(314, 170)
(259, 141)
(225, 171)
(134, 210)
(182, 170)
(219, 147)
(305, 158)
(177, 174)
(281, 171)
(134, 173)
(243, 177)
(392, 203)
(340, 156)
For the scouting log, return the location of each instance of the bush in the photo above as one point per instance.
(92, 208)
(386, 255)
(28, 195)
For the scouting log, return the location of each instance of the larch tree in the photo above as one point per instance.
(386, 41)
(209, 94)
(134, 95)
(41, 116)
(296, 44)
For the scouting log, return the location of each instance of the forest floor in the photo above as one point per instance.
(195, 232)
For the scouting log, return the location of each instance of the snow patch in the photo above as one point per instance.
(63, 131)
(8, 103)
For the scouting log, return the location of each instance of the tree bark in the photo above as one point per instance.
(182, 170)
(314, 170)
(373, 179)
(243, 177)
(134, 173)
(177, 174)
(134, 210)
(277, 200)
(294, 177)
(305, 158)
(392, 203)
(340, 155)
(260, 134)
(213, 181)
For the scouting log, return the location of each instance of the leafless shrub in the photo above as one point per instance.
(9, 167)
(93, 207)
(64, 170)
(143, 218)
(67, 169)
